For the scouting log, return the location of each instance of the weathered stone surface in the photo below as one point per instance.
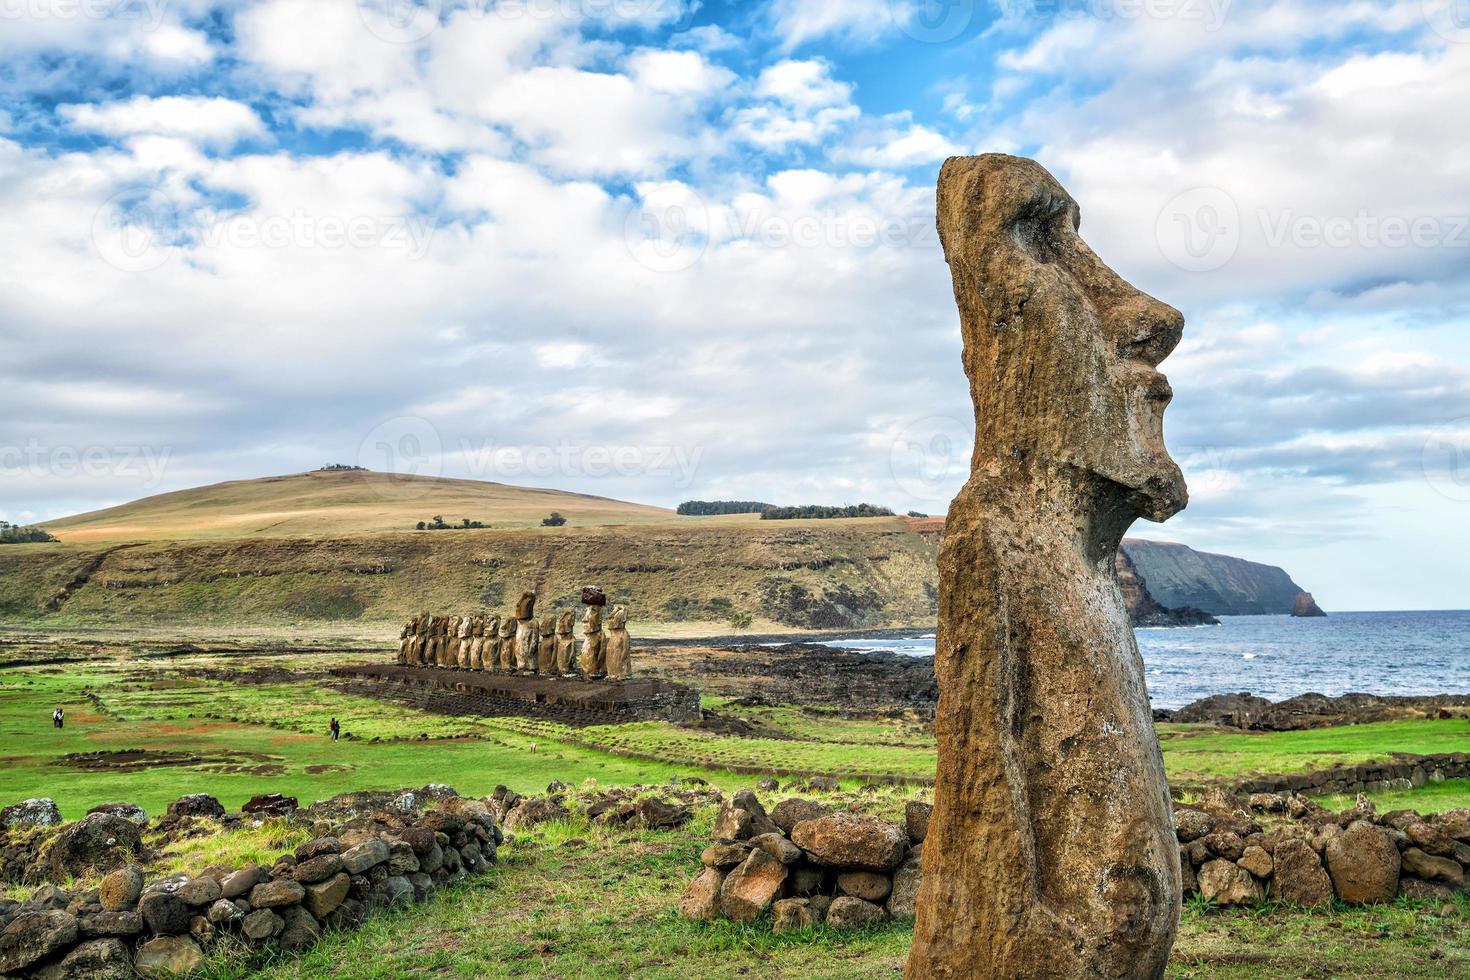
(317, 869)
(299, 929)
(792, 914)
(851, 841)
(356, 860)
(916, 820)
(742, 817)
(240, 882)
(195, 805)
(805, 879)
(164, 913)
(1041, 689)
(323, 897)
(1431, 867)
(658, 815)
(270, 805)
(1255, 860)
(793, 810)
(48, 896)
(41, 812)
(778, 847)
(262, 924)
(97, 842)
(701, 900)
(751, 888)
(1225, 883)
(1363, 863)
(904, 898)
(224, 913)
(725, 856)
(318, 846)
(867, 885)
(124, 922)
(168, 956)
(120, 889)
(1430, 839)
(276, 894)
(97, 959)
(33, 936)
(1191, 824)
(847, 912)
(1298, 875)
(199, 891)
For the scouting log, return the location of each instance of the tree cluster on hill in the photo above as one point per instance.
(707, 508)
(820, 512)
(439, 524)
(17, 534)
(555, 520)
(334, 467)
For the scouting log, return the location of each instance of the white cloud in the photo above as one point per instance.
(209, 121)
(802, 84)
(896, 142)
(860, 21)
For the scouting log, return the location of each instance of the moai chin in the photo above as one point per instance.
(617, 654)
(566, 643)
(491, 654)
(528, 639)
(591, 660)
(546, 648)
(1051, 849)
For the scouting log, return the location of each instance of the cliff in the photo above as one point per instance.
(1306, 607)
(1178, 575)
(1144, 609)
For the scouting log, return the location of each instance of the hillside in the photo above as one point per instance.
(1178, 575)
(338, 502)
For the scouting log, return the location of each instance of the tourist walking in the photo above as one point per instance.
(335, 728)
(58, 718)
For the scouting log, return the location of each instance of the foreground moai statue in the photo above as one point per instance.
(449, 643)
(1051, 850)
(591, 661)
(617, 656)
(528, 636)
(546, 648)
(508, 645)
(566, 643)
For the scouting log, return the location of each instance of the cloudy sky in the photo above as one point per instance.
(664, 249)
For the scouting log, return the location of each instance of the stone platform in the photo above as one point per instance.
(571, 700)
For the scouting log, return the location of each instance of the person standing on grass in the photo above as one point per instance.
(58, 717)
(335, 728)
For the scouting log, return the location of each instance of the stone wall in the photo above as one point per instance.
(371, 857)
(1408, 772)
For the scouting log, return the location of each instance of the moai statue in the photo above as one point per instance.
(432, 628)
(591, 661)
(416, 640)
(546, 650)
(491, 656)
(404, 636)
(477, 642)
(617, 656)
(508, 645)
(462, 655)
(1051, 849)
(566, 643)
(528, 635)
(449, 649)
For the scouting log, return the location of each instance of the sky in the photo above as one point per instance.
(684, 249)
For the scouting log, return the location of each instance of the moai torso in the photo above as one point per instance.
(477, 643)
(449, 651)
(491, 655)
(566, 643)
(528, 638)
(617, 655)
(508, 645)
(592, 660)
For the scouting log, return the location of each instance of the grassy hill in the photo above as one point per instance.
(336, 503)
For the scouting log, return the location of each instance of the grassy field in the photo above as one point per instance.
(574, 900)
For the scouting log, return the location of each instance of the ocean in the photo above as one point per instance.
(1278, 656)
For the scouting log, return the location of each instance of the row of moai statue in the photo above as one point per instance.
(521, 645)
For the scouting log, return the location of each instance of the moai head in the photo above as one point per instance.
(548, 624)
(618, 618)
(592, 620)
(478, 629)
(492, 625)
(1059, 349)
(565, 620)
(507, 628)
(526, 607)
(464, 627)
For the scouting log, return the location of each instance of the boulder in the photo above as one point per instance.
(224, 913)
(805, 880)
(1255, 860)
(32, 937)
(847, 912)
(322, 898)
(793, 810)
(270, 805)
(262, 924)
(778, 847)
(1431, 867)
(867, 885)
(657, 815)
(401, 858)
(168, 956)
(277, 894)
(531, 811)
(165, 914)
(1224, 844)
(30, 813)
(1363, 864)
(97, 959)
(725, 856)
(121, 889)
(130, 812)
(1226, 883)
(47, 897)
(395, 890)
(1298, 875)
(97, 842)
(701, 900)
(321, 868)
(752, 887)
(905, 894)
(202, 930)
(742, 817)
(199, 891)
(1430, 839)
(823, 784)
(792, 914)
(123, 923)
(356, 860)
(916, 820)
(240, 882)
(318, 846)
(194, 805)
(852, 841)
(299, 929)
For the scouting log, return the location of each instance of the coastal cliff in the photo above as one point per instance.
(1221, 585)
(1144, 609)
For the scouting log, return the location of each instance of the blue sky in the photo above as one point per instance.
(659, 249)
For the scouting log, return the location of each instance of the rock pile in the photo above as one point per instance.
(1309, 854)
(808, 864)
(127, 925)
